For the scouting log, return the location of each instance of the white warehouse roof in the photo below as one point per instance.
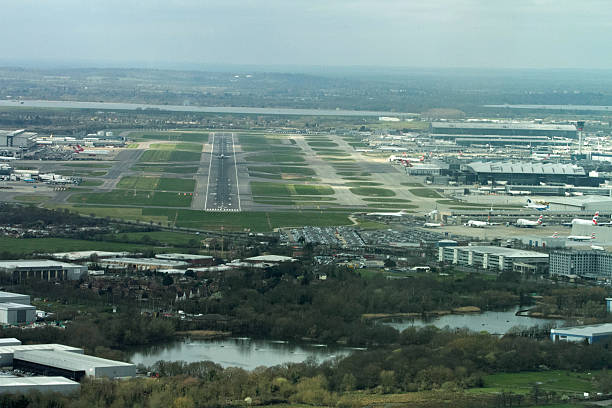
(587, 331)
(526, 168)
(501, 251)
(270, 258)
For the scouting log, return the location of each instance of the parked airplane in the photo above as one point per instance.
(7, 158)
(521, 222)
(433, 225)
(388, 214)
(581, 237)
(594, 221)
(477, 224)
(540, 206)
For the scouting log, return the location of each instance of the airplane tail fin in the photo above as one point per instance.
(540, 220)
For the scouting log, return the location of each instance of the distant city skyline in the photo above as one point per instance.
(193, 34)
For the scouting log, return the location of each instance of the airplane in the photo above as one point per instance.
(581, 237)
(433, 225)
(579, 221)
(540, 206)
(521, 222)
(388, 214)
(7, 158)
(477, 224)
(221, 156)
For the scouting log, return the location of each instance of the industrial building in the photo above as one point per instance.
(71, 365)
(525, 133)
(590, 264)
(592, 333)
(143, 264)
(494, 258)
(190, 258)
(9, 297)
(17, 313)
(24, 385)
(7, 352)
(42, 269)
(527, 173)
(17, 139)
(87, 255)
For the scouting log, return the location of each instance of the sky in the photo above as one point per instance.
(296, 33)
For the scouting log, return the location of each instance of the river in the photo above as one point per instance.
(205, 109)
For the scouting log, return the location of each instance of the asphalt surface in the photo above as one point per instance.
(222, 193)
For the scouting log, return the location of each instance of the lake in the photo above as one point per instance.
(238, 352)
(492, 322)
(181, 108)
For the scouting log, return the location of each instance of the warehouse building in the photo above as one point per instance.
(494, 258)
(71, 365)
(143, 264)
(24, 385)
(42, 269)
(589, 264)
(17, 313)
(9, 297)
(87, 255)
(592, 333)
(203, 260)
(8, 352)
(17, 139)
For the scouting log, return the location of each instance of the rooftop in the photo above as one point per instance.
(13, 381)
(77, 255)
(67, 360)
(526, 168)
(502, 251)
(588, 330)
(270, 258)
(183, 257)
(147, 261)
(35, 263)
(14, 306)
(503, 125)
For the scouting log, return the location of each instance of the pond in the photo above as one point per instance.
(492, 322)
(238, 352)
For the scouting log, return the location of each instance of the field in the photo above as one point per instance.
(260, 188)
(134, 198)
(191, 147)
(89, 165)
(276, 158)
(169, 156)
(372, 191)
(156, 183)
(558, 381)
(183, 136)
(425, 193)
(31, 245)
(31, 198)
(160, 168)
(91, 183)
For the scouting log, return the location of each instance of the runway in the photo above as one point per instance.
(222, 193)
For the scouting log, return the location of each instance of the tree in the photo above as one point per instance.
(167, 280)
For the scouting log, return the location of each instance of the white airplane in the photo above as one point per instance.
(7, 158)
(540, 206)
(433, 225)
(477, 224)
(521, 222)
(594, 221)
(388, 214)
(581, 237)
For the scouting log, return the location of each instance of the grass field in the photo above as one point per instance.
(261, 188)
(363, 184)
(425, 193)
(179, 136)
(559, 381)
(31, 245)
(169, 156)
(307, 171)
(80, 172)
(411, 184)
(31, 198)
(156, 183)
(176, 239)
(91, 183)
(322, 144)
(160, 168)
(191, 147)
(138, 183)
(176, 184)
(372, 191)
(89, 165)
(275, 158)
(129, 197)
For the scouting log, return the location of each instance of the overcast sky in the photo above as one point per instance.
(398, 33)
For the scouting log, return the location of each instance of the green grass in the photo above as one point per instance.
(179, 136)
(138, 183)
(169, 156)
(362, 183)
(275, 158)
(387, 200)
(261, 188)
(91, 183)
(559, 381)
(265, 175)
(80, 172)
(255, 221)
(176, 184)
(176, 239)
(317, 143)
(160, 168)
(90, 165)
(129, 197)
(32, 245)
(425, 193)
(192, 147)
(284, 169)
(31, 198)
(372, 191)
